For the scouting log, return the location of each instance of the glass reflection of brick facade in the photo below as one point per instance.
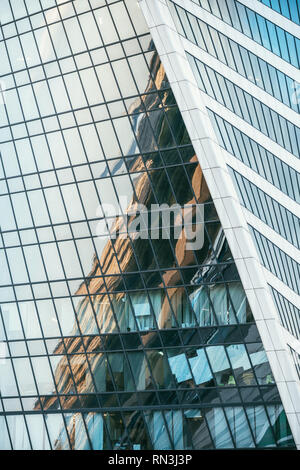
(112, 342)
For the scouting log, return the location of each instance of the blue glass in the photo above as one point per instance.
(288, 8)
(263, 31)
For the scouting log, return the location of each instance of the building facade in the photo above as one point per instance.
(149, 231)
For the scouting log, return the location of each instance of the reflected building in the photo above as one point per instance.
(114, 337)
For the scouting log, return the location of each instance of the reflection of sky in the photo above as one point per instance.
(271, 37)
(180, 368)
(200, 367)
(287, 8)
(218, 359)
(258, 28)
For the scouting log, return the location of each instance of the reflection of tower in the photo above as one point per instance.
(210, 299)
(109, 307)
(162, 351)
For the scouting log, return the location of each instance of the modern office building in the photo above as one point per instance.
(150, 234)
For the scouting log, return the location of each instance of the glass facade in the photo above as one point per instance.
(256, 113)
(277, 261)
(239, 81)
(296, 359)
(235, 56)
(256, 27)
(112, 341)
(288, 8)
(289, 313)
(267, 209)
(256, 157)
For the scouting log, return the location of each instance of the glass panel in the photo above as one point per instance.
(18, 432)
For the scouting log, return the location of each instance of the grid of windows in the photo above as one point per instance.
(114, 342)
(288, 8)
(267, 209)
(244, 105)
(277, 261)
(256, 27)
(217, 428)
(229, 52)
(289, 313)
(18, 11)
(263, 162)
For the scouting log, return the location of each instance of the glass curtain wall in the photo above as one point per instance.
(113, 341)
